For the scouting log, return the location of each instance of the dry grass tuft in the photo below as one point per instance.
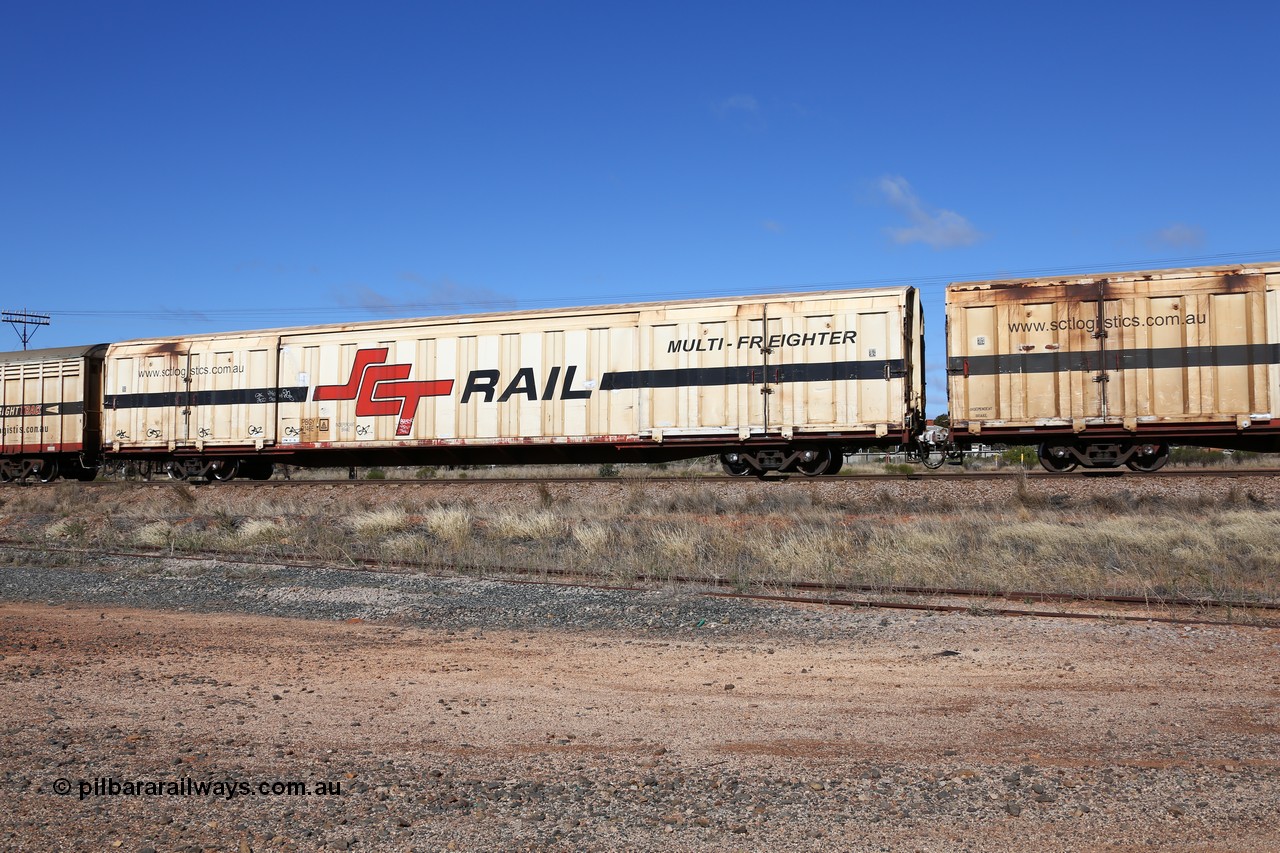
(805, 553)
(532, 526)
(407, 547)
(66, 528)
(184, 495)
(157, 534)
(592, 537)
(378, 522)
(261, 530)
(450, 525)
(678, 544)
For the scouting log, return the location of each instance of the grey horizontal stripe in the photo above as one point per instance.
(1140, 359)
(26, 410)
(231, 397)
(832, 371)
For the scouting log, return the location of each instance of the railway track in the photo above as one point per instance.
(976, 476)
(1114, 608)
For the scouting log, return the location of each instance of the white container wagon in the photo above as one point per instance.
(1112, 369)
(51, 413)
(770, 383)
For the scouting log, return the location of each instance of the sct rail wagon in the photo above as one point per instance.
(770, 383)
(1109, 370)
(1097, 371)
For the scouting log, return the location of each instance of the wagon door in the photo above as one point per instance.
(1100, 348)
(233, 393)
(758, 385)
(187, 419)
(800, 360)
(798, 364)
(145, 393)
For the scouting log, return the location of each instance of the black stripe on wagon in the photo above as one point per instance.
(229, 397)
(1232, 355)
(832, 371)
(40, 410)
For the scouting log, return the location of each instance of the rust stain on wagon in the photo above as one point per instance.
(1243, 282)
(167, 348)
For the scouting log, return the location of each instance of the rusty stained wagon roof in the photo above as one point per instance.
(523, 315)
(1233, 277)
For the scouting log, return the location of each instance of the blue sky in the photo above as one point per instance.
(172, 168)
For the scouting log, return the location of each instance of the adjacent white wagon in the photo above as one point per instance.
(50, 413)
(1103, 370)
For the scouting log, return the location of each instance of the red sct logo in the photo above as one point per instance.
(384, 389)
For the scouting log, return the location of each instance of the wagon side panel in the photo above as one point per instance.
(1161, 353)
(207, 394)
(43, 399)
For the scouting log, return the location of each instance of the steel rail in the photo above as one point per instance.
(920, 476)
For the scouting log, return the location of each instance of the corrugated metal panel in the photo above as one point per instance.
(833, 362)
(1138, 350)
(219, 391)
(53, 353)
(43, 401)
(693, 369)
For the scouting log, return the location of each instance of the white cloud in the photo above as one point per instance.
(426, 296)
(941, 229)
(448, 293)
(736, 104)
(371, 300)
(1179, 235)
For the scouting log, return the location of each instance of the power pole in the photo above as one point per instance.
(24, 323)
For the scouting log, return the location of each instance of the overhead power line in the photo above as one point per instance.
(24, 323)
(293, 314)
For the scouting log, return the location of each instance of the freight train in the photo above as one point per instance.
(1099, 371)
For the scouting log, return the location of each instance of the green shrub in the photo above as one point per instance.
(1023, 456)
(1202, 457)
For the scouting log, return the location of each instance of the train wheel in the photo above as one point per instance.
(175, 470)
(815, 462)
(1057, 459)
(1148, 458)
(6, 475)
(932, 458)
(735, 464)
(48, 471)
(222, 470)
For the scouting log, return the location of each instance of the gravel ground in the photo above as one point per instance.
(478, 715)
